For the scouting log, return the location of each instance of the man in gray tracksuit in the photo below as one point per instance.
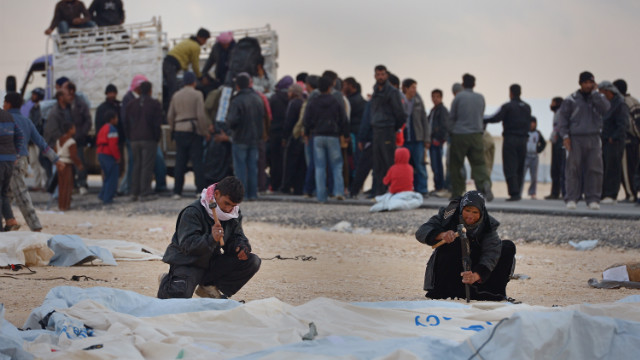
(580, 126)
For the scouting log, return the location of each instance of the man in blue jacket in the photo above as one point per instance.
(19, 190)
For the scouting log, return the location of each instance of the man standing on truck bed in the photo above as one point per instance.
(179, 57)
(107, 12)
(69, 14)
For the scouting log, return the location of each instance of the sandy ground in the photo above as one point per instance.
(349, 267)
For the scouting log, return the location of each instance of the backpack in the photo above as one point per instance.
(244, 58)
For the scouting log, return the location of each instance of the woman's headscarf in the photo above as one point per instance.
(476, 199)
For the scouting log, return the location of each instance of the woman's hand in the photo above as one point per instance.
(447, 236)
(469, 277)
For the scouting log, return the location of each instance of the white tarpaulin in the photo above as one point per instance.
(31, 248)
(104, 323)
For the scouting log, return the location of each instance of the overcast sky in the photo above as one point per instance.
(543, 45)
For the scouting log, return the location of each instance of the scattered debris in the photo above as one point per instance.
(584, 244)
(156, 229)
(345, 226)
(520, 277)
(87, 225)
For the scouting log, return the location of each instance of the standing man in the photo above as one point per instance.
(220, 56)
(326, 122)
(438, 118)
(58, 116)
(387, 116)
(19, 191)
(615, 124)
(178, 58)
(278, 103)
(245, 120)
(40, 175)
(69, 14)
(144, 117)
(466, 120)
(580, 126)
(111, 103)
(516, 120)
(82, 120)
(107, 12)
(417, 134)
(631, 157)
(189, 128)
(557, 154)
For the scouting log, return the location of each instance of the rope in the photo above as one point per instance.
(299, 257)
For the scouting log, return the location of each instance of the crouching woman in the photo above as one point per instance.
(492, 259)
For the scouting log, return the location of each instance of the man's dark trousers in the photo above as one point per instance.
(188, 147)
(514, 152)
(384, 148)
(557, 169)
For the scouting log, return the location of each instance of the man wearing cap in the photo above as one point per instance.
(110, 103)
(189, 127)
(615, 123)
(179, 57)
(246, 120)
(580, 126)
(220, 56)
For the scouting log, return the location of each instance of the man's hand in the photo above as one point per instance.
(469, 277)
(427, 145)
(48, 31)
(218, 233)
(567, 144)
(60, 165)
(360, 146)
(222, 137)
(77, 21)
(243, 252)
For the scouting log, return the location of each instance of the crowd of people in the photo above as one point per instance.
(312, 135)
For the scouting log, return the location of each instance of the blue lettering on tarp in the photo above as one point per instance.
(435, 318)
(473, 328)
(446, 318)
(489, 323)
(418, 323)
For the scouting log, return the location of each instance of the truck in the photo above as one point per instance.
(92, 58)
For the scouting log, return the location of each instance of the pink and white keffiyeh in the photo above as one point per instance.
(207, 197)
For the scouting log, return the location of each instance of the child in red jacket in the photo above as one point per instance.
(109, 157)
(399, 178)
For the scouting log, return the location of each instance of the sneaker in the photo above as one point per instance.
(594, 206)
(514, 198)
(83, 191)
(12, 225)
(571, 205)
(444, 193)
(340, 198)
(210, 291)
(608, 201)
(134, 198)
(176, 197)
(552, 197)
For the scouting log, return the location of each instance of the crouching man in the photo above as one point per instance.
(492, 259)
(215, 258)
